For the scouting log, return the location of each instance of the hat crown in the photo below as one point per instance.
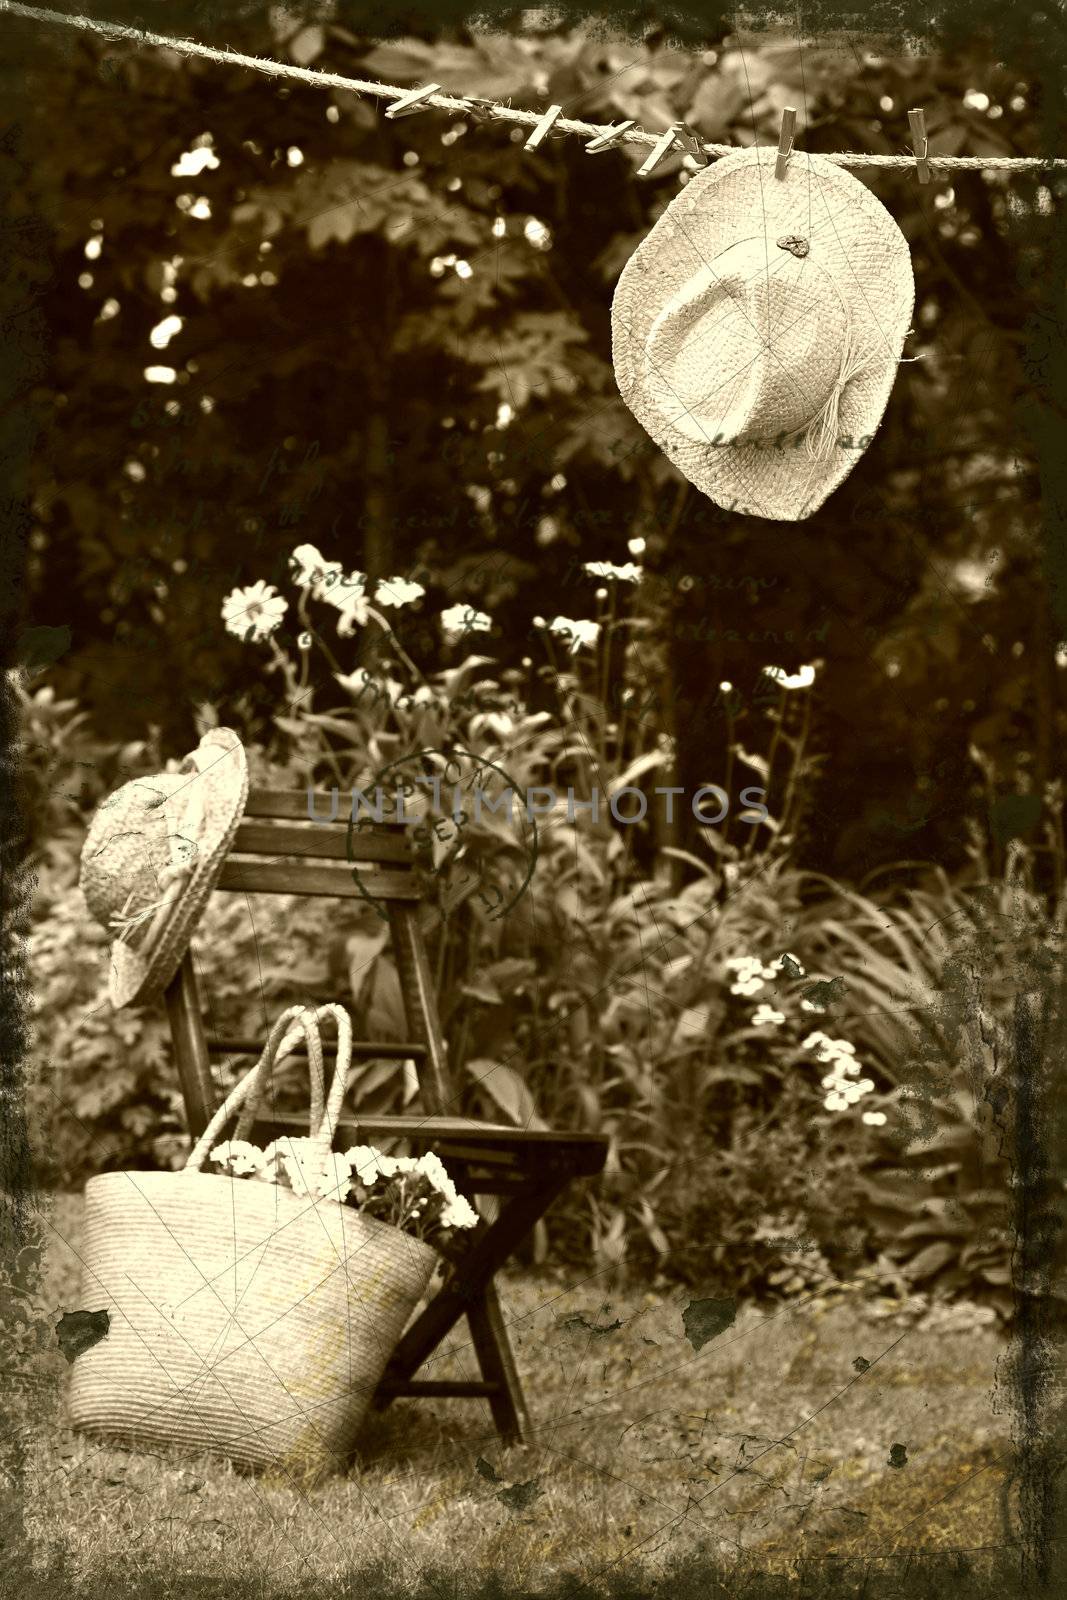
(128, 846)
(809, 338)
(152, 855)
(750, 346)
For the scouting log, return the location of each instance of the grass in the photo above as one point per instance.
(768, 1444)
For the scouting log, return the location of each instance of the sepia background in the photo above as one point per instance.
(267, 318)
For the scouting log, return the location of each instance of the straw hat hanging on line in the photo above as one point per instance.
(152, 855)
(759, 323)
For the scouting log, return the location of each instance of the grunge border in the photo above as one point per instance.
(1036, 39)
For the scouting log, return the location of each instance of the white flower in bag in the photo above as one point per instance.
(239, 1158)
(458, 1212)
(363, 1163)
(433, 1168)
(335, 1183)
(300, 1161)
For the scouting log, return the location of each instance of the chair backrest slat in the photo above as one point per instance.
(321, 859)
(290, 805)
(330, 842)
(298, 877)
(365, 1049)
(190, 1046)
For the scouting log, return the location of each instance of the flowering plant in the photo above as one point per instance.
(414, 1194)
(843, 1085)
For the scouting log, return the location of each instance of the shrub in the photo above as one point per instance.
(101, 1093)
(798, 1081)
(956, 994)
(103, 1090)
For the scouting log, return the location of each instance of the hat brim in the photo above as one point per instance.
(137, 976)
(858, 243)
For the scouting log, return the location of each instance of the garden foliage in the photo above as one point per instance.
(801, 1084)
(282, 321)
(391, 339)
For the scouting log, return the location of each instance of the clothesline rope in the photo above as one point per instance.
(489, 110)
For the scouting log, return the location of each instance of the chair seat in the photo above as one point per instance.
(580, 1154)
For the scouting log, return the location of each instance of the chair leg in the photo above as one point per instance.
(492, 1346)
(466, 1283)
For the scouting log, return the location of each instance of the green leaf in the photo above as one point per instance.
(930, 1261)
(715, 105)
(530, 357)
(482, 988)
(307, 45)
(400, 60)
(507, 1090)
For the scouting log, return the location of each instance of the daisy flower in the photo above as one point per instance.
(307, 565)
(843, 1084)
(575, 633)
(397, 592)
(311, 570)
(747, 986)
(629, 573)
(750, 974)
(802, 679)
(765, 1015)
(459, 620)
(349, 598)
(327, 581)
(255, 612)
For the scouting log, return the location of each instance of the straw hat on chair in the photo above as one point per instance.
(757, 328)
(152, 855)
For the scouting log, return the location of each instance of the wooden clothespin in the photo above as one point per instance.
(610, 136)
(543, 128)
(479, 106)
(785, 141)
(920, 143)
(415, 100)
(666, 142)
(691, 143)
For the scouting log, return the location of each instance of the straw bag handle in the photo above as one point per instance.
(249, 1091)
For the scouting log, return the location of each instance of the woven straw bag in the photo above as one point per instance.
(245, 1319)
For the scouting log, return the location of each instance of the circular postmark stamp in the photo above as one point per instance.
(474, 834)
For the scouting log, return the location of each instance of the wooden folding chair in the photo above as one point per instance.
(526, 1169)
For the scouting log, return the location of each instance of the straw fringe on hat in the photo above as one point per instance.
(152, 855)
(757, 328)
